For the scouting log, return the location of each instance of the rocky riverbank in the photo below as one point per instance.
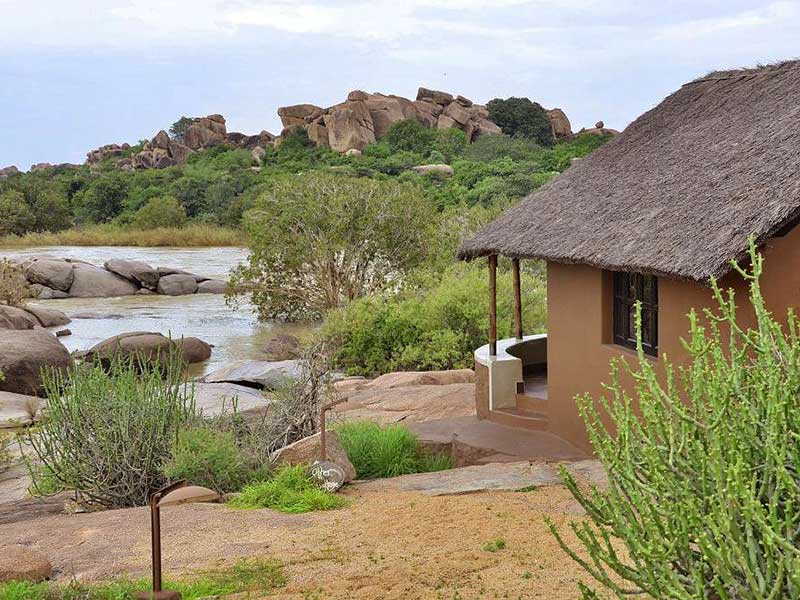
(54, 278)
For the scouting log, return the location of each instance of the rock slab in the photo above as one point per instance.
(18, 563)
(307, 451)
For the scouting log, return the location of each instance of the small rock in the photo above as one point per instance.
(283, 347)
(444, 170)
(599, 125)
(63, 332)
(18, 563)
(327, 474)
(211, 286)
(177, 285)
(307, 452)
(353, 152)
(257, 373)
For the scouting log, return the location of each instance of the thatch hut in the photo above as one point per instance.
(650, 216)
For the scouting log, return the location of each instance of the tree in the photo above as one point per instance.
(17, 216)
(161, 211)
(521, 117)
(319, 240)
(704, 494)
(410, 136)
(178, 128)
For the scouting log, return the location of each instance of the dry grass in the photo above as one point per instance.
(115, 235)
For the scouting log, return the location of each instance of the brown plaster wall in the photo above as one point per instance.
(481, 390)
(579, 345)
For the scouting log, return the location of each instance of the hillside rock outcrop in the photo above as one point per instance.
(8, 171)
(365, 118)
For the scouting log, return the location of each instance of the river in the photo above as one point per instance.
(235, 334)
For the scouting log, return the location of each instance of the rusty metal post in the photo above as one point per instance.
(517, 300)
(493, 305)
(323, 430)
(155, 540)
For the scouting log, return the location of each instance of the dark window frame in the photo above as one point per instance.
(630, 288)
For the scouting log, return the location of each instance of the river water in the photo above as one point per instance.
(235, 334)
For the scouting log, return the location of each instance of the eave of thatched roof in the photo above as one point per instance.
(679, 192)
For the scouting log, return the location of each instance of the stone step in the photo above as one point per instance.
(521, 419)
(532, 403)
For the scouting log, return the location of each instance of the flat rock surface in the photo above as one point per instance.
(410, 404)
(214, 399)
(509, 477)
(18, 410)
(260, 373)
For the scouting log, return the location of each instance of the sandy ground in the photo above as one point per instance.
(387, 544)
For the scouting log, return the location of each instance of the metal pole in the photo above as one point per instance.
(517, 300)
(493, 305)
(155, 532)
(323, 430)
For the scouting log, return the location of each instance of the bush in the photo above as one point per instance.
(209, 457)
(704, 489)
(6, 439)
(161, 211)
(437, 326)
(521, 117)
(108, 433)
(320, 240)
(378, 452)
(410, 136)
(14, 289)
(291, 490)
(18, 217)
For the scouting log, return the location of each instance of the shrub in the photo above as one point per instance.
(291, 490)
(390, 451)
(521, 117)
(18, 217)
(437, 326)
(320, 240)
(491, 147)
(703, 495)
(409, 135)
(161, 211)
(108, 432)
(6, 439)
(209, 457)
(14, 289)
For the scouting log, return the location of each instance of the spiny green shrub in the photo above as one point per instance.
(291, 490)
(521, 117)
(704, 495)
(390, 451)
(6, 440)
(108, 432)
(208, 456)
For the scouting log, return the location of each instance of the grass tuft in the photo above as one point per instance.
(258, 576)
(291, 490)
(378, 452)
(494, 545)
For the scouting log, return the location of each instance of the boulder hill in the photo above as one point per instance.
(349, 126)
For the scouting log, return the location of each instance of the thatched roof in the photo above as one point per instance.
(679, 191)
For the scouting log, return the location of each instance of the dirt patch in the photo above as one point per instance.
(387, 544)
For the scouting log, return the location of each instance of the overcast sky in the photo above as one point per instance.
(77, 74)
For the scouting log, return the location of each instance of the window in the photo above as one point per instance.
(628, 289)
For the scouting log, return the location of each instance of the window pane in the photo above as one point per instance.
(647, 327)
(648, 292)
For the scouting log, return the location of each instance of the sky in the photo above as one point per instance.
(77, 74)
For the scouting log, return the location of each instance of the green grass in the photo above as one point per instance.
(197, 235)
(494, 545)
(260, 576)
(291, 490)
(378, 452)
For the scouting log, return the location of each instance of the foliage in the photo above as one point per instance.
(109, 431)
(6, 440)
(160, 211)
(14, 289)
(494, 545)
(291, 490)
(410, 136)
(178, 129)
(703, 495)
(319, 240)
(435, 326)
(255, 576)
(294, 414)
(17, 215)
(521, 117)
(390, 451)
(208, 456)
